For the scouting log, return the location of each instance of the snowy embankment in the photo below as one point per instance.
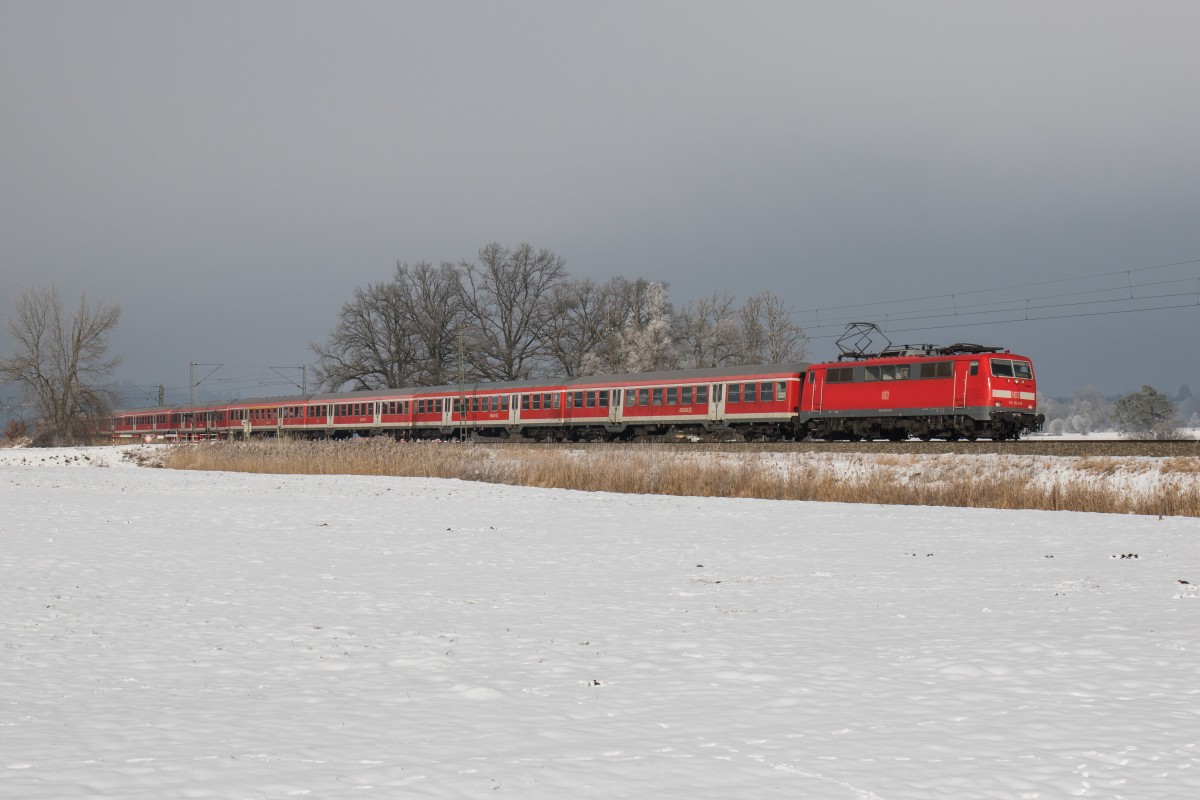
(185, 634)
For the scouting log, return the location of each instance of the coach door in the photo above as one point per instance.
(448, 411)
(614, 405)
(716, 402)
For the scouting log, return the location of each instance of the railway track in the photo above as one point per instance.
(1149, 448)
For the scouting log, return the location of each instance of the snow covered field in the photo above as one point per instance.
(210, 635)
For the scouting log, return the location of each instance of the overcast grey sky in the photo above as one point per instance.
(229, 172)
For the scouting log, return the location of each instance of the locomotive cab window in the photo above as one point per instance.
(1007, 368)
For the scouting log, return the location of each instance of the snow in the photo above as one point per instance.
(215, 635)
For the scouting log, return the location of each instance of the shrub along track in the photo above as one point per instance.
(1112, 448)
(1113, 477)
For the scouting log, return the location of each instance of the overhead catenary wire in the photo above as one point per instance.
(1123, 296)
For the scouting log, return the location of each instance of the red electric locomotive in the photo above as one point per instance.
(962, 391)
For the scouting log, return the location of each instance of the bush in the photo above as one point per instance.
(15, 429)
(1147, 413)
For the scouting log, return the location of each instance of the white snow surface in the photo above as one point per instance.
(213, 635)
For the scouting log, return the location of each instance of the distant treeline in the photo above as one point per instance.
(515, 313)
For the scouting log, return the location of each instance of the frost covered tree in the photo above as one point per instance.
(644, 342)
(61, 361)
(1147, 413)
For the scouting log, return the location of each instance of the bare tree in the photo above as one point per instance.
(371, 347)
(61, 363)
(580, 321)
(506, 296)
(397, 333)
(768, 334)
(431, 298)
(708, 334)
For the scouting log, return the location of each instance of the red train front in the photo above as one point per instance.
(962, 391)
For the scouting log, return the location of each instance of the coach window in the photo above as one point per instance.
(702, 395)
(591, 399)
(751, 393)
(672, 396)
(631, 397)
(537, 402)
(767, 392)
(576, 399)
(524, 402)
(734, 393)
(781, 391)
(643, 397)
(602, 398)
(656, 397)
(685, 396)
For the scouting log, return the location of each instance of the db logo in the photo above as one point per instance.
(885, 394)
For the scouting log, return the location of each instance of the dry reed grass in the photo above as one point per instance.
(942, 481)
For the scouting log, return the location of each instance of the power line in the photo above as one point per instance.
(1028, 307)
